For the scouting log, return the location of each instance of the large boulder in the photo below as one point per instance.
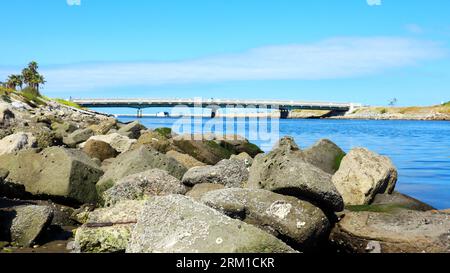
(229, 173)
(178, 224)
(248, 160)
(199, 190)
(237, 145)
(132, 130)
(324, 154)
(22, 225)
(143, 185)
(6, 115)
(118, 142)
(206, 151)
(104, 127)
(295, 221)
(16, 142)
(400, 231)
(55, 172)
(77, 137)
(99, 149)
(108, 230)
(185, 159)
(154, 140)
(136, 161)
(284, 171)
(362, 175)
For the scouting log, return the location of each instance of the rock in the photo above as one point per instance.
(248, 160)
(136, 161)
(206, 151)
(6, 115)
(178, 224)
(397, 199)
(64, 128)
(99, 149)
(132, 130)
(17, 142)
(24, 224)
(78, 137)
(108, 230)
(284, 171)
(286, 143)
(186, 160)
(401, 231)
(118, 142)
(104, 127)
(326, 155)
(237, 145)
(229, 173)
(141, 186)
(154, 140)
(81, 215)
(362, 175)
(199, 190)
(55, 172)
(295, 221)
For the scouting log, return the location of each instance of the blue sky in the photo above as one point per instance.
(321, 50)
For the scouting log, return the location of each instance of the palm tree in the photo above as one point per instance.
(14, 81)
(38, 79)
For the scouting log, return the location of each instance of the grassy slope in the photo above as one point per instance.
(443, 109)
(32, 99)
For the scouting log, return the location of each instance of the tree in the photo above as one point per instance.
(14, 81)
(32, 77)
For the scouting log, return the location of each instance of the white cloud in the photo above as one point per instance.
(415, 29)
(329, 59)
(374, 2)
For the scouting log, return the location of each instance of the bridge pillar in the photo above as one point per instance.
(284, 113)
(214, 110)
(139, 113)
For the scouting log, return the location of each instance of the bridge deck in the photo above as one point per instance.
(147, 103)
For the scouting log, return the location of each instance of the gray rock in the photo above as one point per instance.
(7, 116)
(78, 137)
(185, 159)
(25, 223)
(324, 154)
(140, 186)
(55, 172)
(248, 160)
(16, 142)
(284, 171)
(400, 231)
(229, 173)
(206, 151)
(132, 130)
(397, 199)
(99, 149)
(295, 221)
(362, 175)
(108, 230)
(178, 224)
(136, 161)
(118, 142)
(199, 190)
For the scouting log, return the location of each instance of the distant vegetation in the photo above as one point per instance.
(27, 84)
(446, 104)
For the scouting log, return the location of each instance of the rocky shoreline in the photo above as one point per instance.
(78, 181)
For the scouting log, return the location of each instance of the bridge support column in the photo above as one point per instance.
(214, 110)
(139, 113)
(284, 113)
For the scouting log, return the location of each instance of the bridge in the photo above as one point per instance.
(285, 106)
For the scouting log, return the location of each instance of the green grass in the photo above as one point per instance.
(166, 132)
(67, 103)
(385, 208)
(447, 104)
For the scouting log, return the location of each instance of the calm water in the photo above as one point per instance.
(419, 149)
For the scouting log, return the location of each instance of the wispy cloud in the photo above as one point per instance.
(329, 59)
(414, 28)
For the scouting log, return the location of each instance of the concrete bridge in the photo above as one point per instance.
(285, 106)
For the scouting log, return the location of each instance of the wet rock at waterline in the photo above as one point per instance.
(362, 175)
